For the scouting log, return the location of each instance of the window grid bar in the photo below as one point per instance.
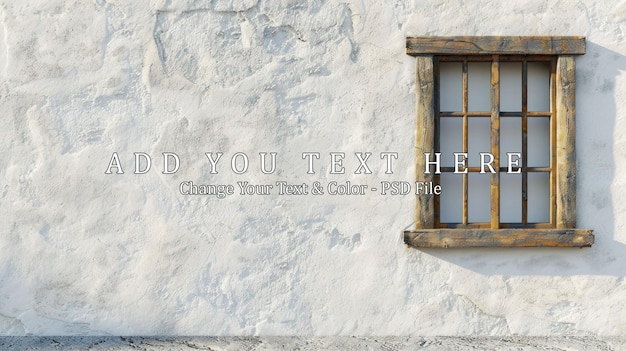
(465, 141)
(553, 159)
(495, 141)
(501, 169)
(488, 114)
(488, 58)
(524, 142)
(487, 225)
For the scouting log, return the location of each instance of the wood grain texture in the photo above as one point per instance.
(495, 142)
(457, 238)
(566, 142)
(525, 142)
(498, 45)
(465, 141)
(424, 137)
(553, 172)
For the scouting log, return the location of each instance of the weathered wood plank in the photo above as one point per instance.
(495, 141)
(553, 172)
(566, 142)
(457, 238)
(498, 45)
(525, 142)
(465, 141)
(424, 137)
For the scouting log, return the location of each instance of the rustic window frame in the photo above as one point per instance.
(563, 231)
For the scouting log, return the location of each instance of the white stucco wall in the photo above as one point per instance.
(82, 252)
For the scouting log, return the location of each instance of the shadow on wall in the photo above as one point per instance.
(596, 111)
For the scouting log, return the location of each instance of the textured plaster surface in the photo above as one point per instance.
(85, 253)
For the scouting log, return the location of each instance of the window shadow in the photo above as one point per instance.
(596, 72)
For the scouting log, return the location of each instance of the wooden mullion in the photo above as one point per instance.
(553, 145)
(465, 141)
(495, 141)
(524, 142)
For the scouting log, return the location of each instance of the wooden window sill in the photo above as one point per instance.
(530, 237)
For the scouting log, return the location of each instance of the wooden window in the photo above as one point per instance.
(473, 96)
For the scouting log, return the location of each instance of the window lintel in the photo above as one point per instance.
(496, 45)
